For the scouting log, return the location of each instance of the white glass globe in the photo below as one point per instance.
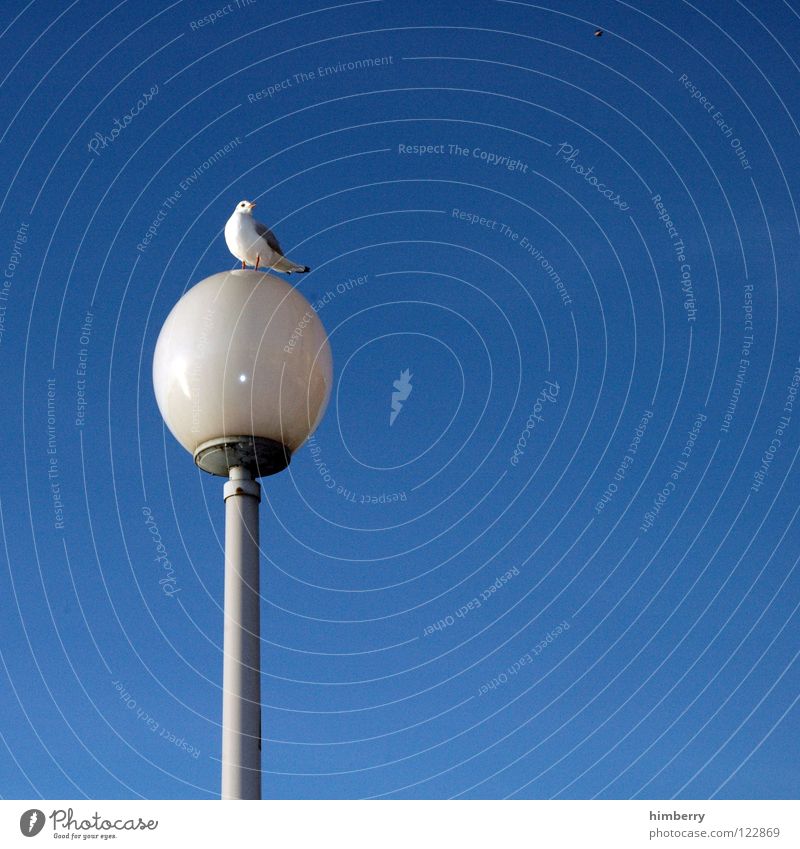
(242, 354)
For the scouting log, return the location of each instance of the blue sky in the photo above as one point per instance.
(568, 568)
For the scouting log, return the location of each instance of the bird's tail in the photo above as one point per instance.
(289, 267)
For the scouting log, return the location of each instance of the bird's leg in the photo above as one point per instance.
(243, 264)
(258, 260)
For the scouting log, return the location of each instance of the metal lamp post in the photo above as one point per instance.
(242, 373)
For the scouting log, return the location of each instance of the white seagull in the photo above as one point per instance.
(253, 243)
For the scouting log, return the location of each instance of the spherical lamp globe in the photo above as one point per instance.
(242, 372)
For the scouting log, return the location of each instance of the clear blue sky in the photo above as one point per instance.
(582, 248)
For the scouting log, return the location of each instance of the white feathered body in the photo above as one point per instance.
(250, 240)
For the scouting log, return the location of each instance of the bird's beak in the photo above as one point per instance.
(252, 206)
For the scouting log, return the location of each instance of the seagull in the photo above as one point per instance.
(254, 243)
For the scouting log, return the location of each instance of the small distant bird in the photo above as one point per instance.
(253, 243)
(598, 33)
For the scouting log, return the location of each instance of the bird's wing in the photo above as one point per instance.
(269, 236)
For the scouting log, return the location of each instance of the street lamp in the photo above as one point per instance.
(242, 373)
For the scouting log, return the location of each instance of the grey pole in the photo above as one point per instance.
(241, 684)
